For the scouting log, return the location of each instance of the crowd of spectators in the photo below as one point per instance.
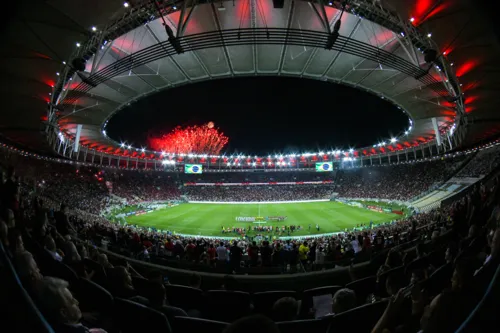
(259, 193)
(139, 187)
(483, 163)
(257, 176)
(91, 189)
(433, 268)
(395, 182)
(265, 249)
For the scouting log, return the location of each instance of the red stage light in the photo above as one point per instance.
(466, 68)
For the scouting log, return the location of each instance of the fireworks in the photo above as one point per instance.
(193, 139)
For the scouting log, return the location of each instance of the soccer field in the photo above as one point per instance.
(208, 219)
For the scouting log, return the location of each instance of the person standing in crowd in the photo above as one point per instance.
(355, 245)
(235, 255)
(265, 254)
(320, 258)
(253, 253)
(211, 252)
(221, 253)
(303, 251)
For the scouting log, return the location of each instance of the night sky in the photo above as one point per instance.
(262, 115)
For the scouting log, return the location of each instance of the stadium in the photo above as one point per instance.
(250, 165)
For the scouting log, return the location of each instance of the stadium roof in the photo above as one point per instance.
(248, 37)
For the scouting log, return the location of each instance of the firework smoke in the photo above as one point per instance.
(192, 139)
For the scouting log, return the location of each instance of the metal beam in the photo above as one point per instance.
(321, 14)
(202, 65)
(182, 24)
(285, 46)
(99, 55)
(315, 50)
(132, 71)
(229, 63)
(253, 25)
(412, 56)
(171, 59)
(79, 110)
(353, 31)
(363, 60)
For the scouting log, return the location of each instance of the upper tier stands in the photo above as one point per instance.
(483, 163)
(89, 188)
(396, 182)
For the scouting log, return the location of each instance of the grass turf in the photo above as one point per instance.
(208, 219)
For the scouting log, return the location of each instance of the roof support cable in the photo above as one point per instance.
(263, 15)
(246, 7)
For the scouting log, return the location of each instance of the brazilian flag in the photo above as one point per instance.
(324, 166)
(193, 168)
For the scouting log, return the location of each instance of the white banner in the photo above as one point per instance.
(245, 219)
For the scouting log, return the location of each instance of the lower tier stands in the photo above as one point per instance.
(430, 280)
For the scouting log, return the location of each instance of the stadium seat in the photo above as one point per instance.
(92, 297)
(226, 305)
(379, 259)
(363, 288)
(190, 324)
(261, 270)
(264, 301)
(302, 326)
(134, 317)
(43, 259)
(171, 312)
(380, 288)
(360, 319)
(420, 263)
(63, 271)
(436, 257)
(141, 285)
(184, 297)
(100, 276)
(307, 297)
(439, 279)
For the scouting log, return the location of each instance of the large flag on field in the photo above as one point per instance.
(193, 168)
(324, 166)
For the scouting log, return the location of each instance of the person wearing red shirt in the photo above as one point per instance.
(147, 243)
(169, 247)
(190, 247)
(136, 237)
(367, 243)
(211, 252)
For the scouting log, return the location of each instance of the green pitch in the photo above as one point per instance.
(208, 219)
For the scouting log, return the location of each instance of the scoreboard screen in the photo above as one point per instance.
(193, 168)
(324, 166)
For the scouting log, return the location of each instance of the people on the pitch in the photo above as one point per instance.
(281, 230)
